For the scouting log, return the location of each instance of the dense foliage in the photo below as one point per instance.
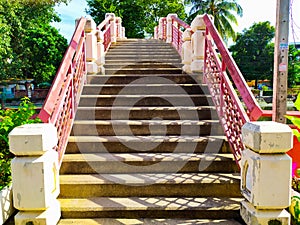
(29, 46)
(293, 66)
(224, 13)
(254, 52)
(9, 119)
(138, 17)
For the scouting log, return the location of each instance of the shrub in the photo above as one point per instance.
(9, 119)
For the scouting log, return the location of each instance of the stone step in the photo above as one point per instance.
(126, 64)
(148, 221)
(133, 50)
(129, 163)
(153, 144)
(147, 113)
(142, 52)
(154, 127)
(145, 207)
(165, 87)
(126, 70)
(141, 57)
(145, 100)
(150, 185)
(133, 61)
(138, 78)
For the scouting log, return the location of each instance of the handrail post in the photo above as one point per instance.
(91, 46)
(170, 27)
(101, 52)
(161, 29)
(266, 173)
(198, 41)
(113, 27)
(119, 29)
(35, 173)
(187, 51)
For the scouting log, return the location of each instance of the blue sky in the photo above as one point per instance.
(254, 11)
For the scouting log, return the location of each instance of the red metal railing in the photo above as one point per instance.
(105, 28)
(178, 26)
(218, 67)
(220, 71)
(164, 29)
(61, 103)
(63, 97)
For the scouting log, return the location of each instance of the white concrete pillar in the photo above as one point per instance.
(91, 46)
(161, 28)
(100, 53)
(113, 28)
(155, 32)
(35, 174)
(187, 51)
(198, 41)
(119, 28)
(169, 27)
(123, 33)
(266, 172)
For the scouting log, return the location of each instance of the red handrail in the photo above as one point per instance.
(105, 28)
(178, 26)
(253, 109)
(61, 103)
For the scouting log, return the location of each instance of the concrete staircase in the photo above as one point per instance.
(147, 147)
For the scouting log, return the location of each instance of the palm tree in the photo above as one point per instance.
(222, 11)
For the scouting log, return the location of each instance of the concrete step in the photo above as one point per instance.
(129, 78)
(126, 70)
(146, 100)
(129, 163)
(147, 113)
(145, 88)
(154, 127)
(175, 61)
(153, 144)
(142, 57)
(125, 64)
(148, 221)
(134, 50)
(150, 185)
(145, 207)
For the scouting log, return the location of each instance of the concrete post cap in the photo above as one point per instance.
(32, 139)
(187, 35)
(267, 137)
(198, 23)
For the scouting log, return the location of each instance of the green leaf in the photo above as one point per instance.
(297, 103)
(295, 120)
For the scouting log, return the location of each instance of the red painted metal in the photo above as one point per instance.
(217, 69)
(61, 103)
(178, 26)
(164, 29)
(229, 108)
(253, 109)
(105, 28)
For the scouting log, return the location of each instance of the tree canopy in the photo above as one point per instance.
(293, 66)
(254, 51)
(30, 47)
(138, 17)
(224, 13)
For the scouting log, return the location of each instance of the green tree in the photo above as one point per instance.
(155, 9)
(21, 21)
(222, 11)
(293, 66)
(138, 17)
(254, 52)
